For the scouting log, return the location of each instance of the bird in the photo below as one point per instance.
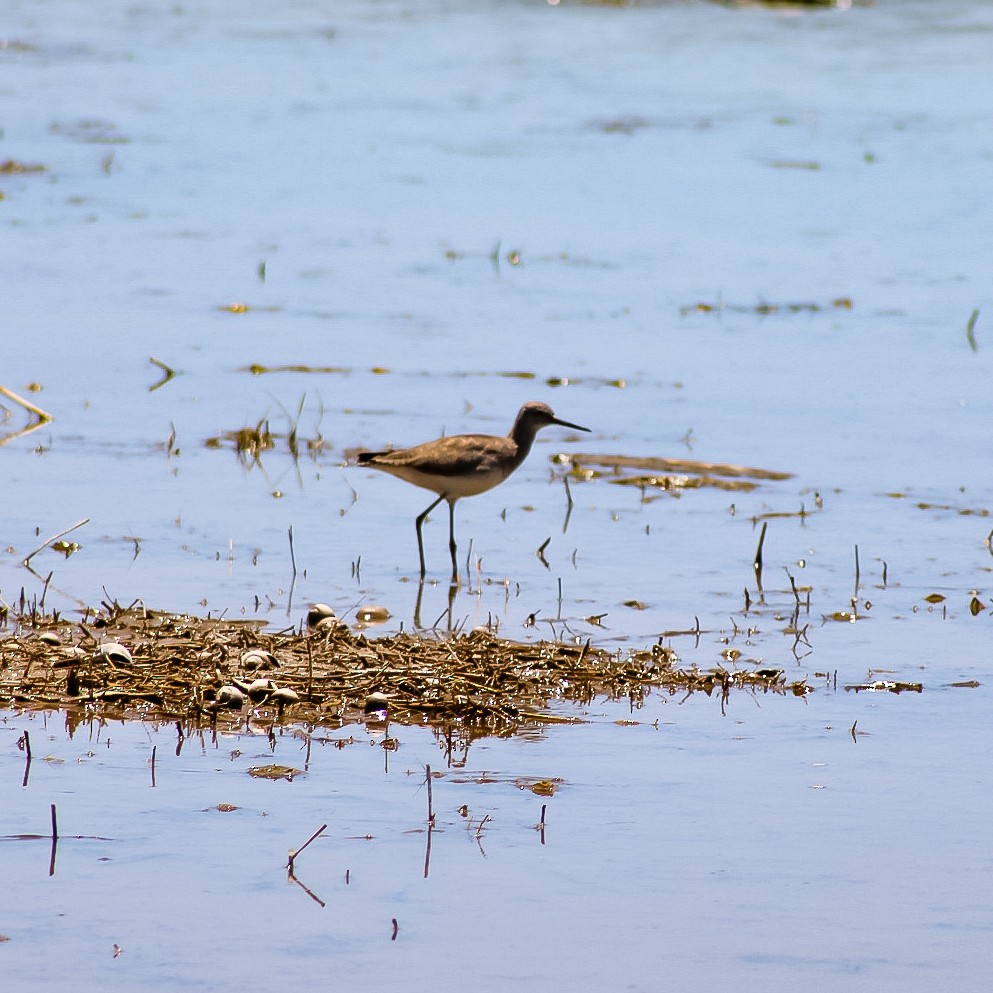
(464, 465)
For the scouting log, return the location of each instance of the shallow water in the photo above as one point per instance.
(385, 162)
(768, 846)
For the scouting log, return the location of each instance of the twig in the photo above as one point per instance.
(55, 537)
(568, 505)
(294, 854)
(796, 592)
(293, 580)
(427, 849)
(970, 331)
(757, 563)
(430, 801)
(153, 765)
(43, 417)
(168, 374)
(27, 757)
(582, 656)
(55, 843)
(313, 896)
(396, 929)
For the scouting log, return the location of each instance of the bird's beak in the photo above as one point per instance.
(568, 424)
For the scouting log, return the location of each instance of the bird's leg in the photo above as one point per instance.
(451, 541)
(420, 540)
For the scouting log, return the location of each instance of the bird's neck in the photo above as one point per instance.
(522, 434)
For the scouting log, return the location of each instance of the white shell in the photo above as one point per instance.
(258, 658)
(319, 612)
(230, 696)
(260, 690)
(114, 652)
(376, 703)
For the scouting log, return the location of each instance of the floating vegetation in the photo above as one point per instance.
(140, 664)
(248, 442)
(275, 771)
(961, 511)
(244, 308)
(257, 369)
(621, 125)
(665, 474)
(260, 370)
(807, 164)
(886, 685)
(11, 167)
(90, 131)
(765, 308)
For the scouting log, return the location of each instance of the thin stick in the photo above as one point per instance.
(153, 765)
(293, 855)
(396, 928)
(427, 849)
(970, 330)
(430, 800)
(44, 592)
(579, 662)
(55, 537)
(486, 817)
(43, 418)
(313, 896)
(757, 563)
(855, 595)
(55, 844)
(293, 579)
(168, 373)
(796, 592)
(568, 505)
(27, 758)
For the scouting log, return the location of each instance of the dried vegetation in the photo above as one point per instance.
(134, 663)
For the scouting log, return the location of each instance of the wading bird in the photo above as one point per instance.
(464, 464)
